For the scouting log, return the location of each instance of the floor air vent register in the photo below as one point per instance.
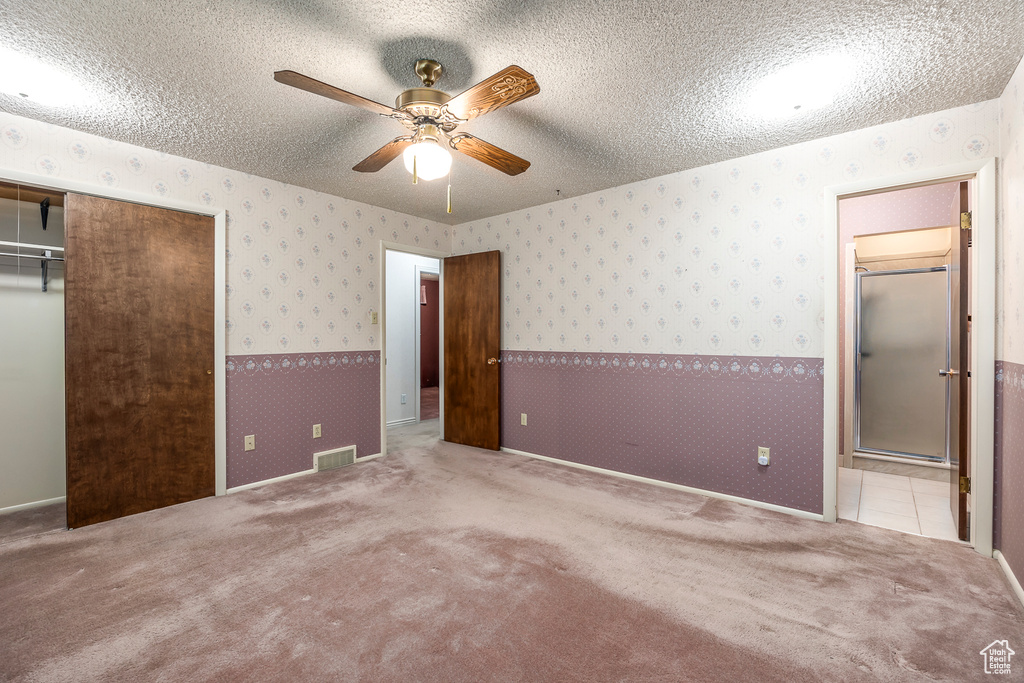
(333, 459)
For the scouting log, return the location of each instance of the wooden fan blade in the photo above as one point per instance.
(383, 156)
(297, 80)
(495, 157)
(500, 90)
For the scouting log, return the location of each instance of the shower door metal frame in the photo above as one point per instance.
(857, 390)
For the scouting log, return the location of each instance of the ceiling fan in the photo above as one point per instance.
(432, 117)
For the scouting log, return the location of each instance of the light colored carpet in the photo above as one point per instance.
(32, 522)
(445, 563)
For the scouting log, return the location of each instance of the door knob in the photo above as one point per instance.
(948, 373)
(492, 361)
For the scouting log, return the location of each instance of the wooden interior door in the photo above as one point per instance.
(472, 349)
(958, 375)
(139, 323)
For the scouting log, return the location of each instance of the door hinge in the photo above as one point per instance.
(965, 224)
(965, 484)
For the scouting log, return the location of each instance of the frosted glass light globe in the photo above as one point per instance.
(432, 160)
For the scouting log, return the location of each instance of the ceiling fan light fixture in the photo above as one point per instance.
(432, 116)
(432, 160)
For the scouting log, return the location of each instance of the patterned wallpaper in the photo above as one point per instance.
(1010, 282)
(278, 398)
(723, 259)
(685, 419)
(302, 267)
(1009, 399)
(1009, 465)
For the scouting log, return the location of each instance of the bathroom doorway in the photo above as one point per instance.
(900, 429)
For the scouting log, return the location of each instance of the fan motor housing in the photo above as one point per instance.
(422, 101)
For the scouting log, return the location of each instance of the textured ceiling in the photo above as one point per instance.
(629, 90)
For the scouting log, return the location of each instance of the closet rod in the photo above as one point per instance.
(26, 245)
(44, 263)
(41, 258)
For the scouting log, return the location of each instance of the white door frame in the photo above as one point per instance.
(219, 282)
(440, 256)
(419, 270)
(983, 331)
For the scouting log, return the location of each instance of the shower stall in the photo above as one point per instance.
(902, 400)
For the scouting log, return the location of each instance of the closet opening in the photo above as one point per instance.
(32, 403)
(84, 282)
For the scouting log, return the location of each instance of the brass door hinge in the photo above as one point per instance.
(965, 224)
(965, 484)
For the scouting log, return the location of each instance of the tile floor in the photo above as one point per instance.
(914, 506)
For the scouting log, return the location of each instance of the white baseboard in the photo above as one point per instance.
(34, 504)
(1014, 583)
(677, 487)
(402, 422)
(273, 480)
(370, 457)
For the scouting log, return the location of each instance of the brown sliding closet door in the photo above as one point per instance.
(139, 358)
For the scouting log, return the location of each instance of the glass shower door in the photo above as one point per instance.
(902, 403)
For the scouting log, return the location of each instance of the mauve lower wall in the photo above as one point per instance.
(280, 397)
(1009, 464)
(685, 419)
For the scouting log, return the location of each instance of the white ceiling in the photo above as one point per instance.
(629, 90)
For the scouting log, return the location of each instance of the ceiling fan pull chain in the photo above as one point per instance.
(449, 193)
(415, 178)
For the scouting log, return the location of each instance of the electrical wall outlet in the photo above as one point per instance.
(405, 397)
(373, 317)
(250, 442)
(763, 454)
(316, 432)
(523, 419)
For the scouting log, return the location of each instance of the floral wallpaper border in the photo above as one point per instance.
(250, 365)
(1010, 378)
(773, 369)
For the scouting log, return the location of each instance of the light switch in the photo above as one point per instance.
(250, 442)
